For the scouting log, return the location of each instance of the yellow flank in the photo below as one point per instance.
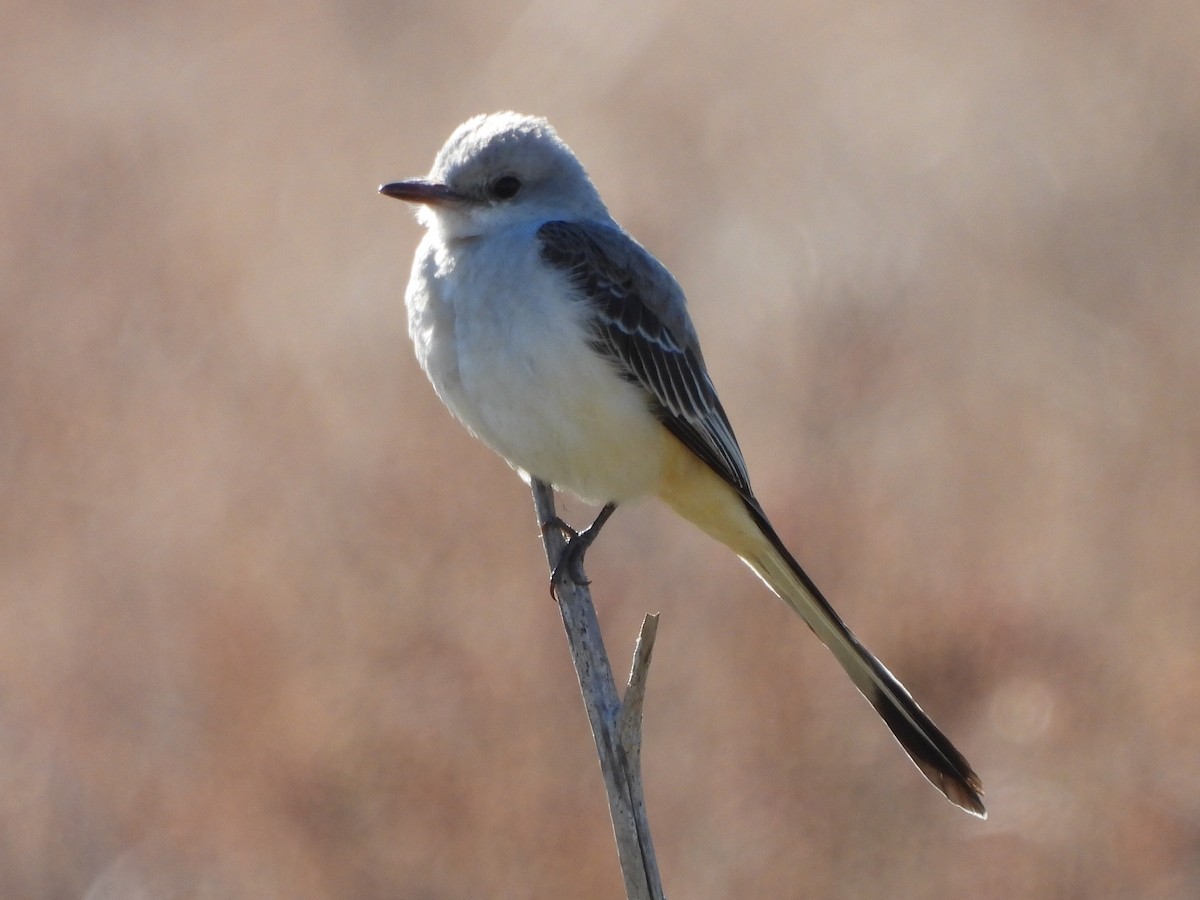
(691, 488)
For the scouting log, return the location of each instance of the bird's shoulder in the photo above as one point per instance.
(614, 270)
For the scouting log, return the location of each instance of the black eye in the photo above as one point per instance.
(505, 187)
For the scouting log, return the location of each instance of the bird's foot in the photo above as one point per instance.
(570, 561)
(555, 522)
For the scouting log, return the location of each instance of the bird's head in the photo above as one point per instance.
(497, 171)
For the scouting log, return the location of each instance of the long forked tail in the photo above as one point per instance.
(932, 752)
(704, 496)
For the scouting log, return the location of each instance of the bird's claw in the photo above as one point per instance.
(570, 561)
(555, 522)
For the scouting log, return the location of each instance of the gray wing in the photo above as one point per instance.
(642, 326)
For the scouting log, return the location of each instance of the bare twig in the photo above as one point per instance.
(616, 728)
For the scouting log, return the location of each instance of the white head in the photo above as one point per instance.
(497, 171)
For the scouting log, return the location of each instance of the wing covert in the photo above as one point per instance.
(641, 325)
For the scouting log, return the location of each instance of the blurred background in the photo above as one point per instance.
(272, 625)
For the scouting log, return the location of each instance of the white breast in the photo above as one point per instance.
(504, 341)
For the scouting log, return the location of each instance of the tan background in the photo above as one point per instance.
(273, 626)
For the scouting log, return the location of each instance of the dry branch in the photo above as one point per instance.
(616, 727)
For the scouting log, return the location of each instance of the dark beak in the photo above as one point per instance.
(419, 190)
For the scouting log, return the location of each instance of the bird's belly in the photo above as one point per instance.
(599, 448)
(561, 414)
(518, 372)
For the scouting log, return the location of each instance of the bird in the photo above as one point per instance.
(566, 347)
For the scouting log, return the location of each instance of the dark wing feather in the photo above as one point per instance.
(642, 326)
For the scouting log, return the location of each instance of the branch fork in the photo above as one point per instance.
(616, 723)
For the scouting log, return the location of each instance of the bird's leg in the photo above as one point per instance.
(555, 522)
(571, 559)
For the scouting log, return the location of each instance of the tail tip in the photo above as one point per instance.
(965, 793)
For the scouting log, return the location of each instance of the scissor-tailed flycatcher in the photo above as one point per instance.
(567, 348)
